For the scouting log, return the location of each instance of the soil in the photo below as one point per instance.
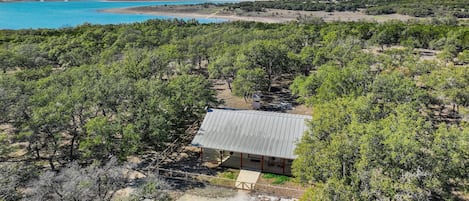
(226, 97)
(270, 101)
(211, 193)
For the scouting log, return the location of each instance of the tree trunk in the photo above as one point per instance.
(51, 163)
(38, 156)
(270, 75)
(73, 145)
(229, 83)
(306, 70)
(51, 137)
(455, 107)
(343, 169)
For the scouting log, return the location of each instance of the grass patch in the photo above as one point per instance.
(221, 182)
(226, 178)
(278, 179)
(229, 175)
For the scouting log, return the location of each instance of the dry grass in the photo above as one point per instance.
(229, 100)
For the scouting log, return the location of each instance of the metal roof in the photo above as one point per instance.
(253, 132)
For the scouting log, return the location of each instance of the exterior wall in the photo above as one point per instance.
(210, 155)
(249, 161)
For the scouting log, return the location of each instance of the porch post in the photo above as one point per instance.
(221, 156)
(262, 163)
(283, 166)
(241, 161)
(201, 154)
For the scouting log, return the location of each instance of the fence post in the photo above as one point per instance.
(239, 185)
(158, 167)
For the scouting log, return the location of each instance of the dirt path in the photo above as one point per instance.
(211, 193)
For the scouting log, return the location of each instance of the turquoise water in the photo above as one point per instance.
(24, 15)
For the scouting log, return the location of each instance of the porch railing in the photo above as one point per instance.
(230, 183)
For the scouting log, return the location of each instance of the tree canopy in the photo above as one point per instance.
(386, 124)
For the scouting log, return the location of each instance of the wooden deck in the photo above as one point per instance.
(247, 179)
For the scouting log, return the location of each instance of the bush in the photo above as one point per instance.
(380, 10)
(74, 182)
(415, 11)
(278, 179)
(14, 176)
(152, 188)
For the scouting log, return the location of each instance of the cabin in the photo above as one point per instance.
(250, 139)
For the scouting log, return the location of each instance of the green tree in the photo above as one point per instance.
(463, 57)
(447, 54)
(395, 88)
(7, 60)
(106, 138)
(136, 64)
(449, 84)
(249, 81)
(339, 82)
(30, 56)
(271, 56)
(381, 160)
(161, 59)
(387, 34)
(48, 118)
(450, 153)
(225, 66)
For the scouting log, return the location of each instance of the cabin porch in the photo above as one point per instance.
(247, 161)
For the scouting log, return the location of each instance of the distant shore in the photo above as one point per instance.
(269, 16)
(5, 1)
(140, 0)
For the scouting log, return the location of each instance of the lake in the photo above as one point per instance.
(25, 15)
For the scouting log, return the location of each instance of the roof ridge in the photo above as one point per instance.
(265, 113)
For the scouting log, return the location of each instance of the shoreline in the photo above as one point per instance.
(138, 1)
(194, 15)
(269, 16)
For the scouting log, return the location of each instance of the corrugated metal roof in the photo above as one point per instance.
(253, 132)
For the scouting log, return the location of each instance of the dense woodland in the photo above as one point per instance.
(386, 125)
(422, 8)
